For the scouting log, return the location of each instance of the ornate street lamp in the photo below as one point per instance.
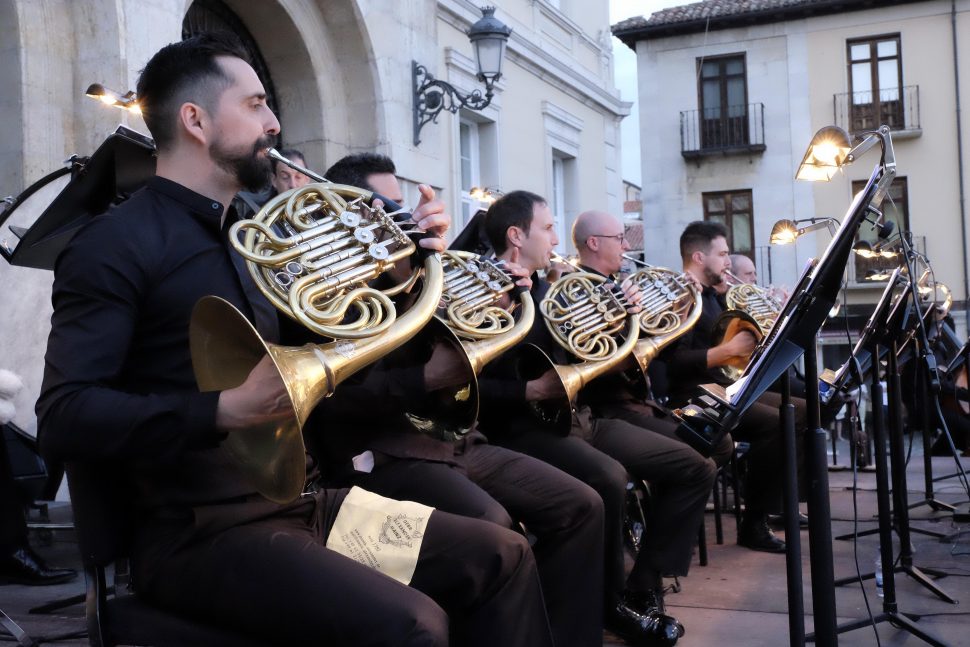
(488, 36)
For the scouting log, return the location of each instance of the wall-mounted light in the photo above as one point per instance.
(109, 97)
(786, 232)
(488, 37)
(484, 194)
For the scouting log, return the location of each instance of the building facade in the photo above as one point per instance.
(339, 74)
(733, 91)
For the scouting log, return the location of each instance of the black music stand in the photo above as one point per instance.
(705, 420)
(120, 166)
(891, 612)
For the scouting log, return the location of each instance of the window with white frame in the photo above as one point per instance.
(470, 168)
(563, 196)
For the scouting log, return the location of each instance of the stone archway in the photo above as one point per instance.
(319, 56)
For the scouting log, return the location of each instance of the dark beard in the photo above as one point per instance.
(712, 278)
(251, 171)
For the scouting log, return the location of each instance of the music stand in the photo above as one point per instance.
(705, 420)
(120, 166)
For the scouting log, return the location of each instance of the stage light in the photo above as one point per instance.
(109, 97)
(826, 154)
(786, 232)
(878, 275)
(865, 249)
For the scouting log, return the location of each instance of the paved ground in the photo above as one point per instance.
(740, 598)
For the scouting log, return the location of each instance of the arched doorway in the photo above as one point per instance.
(215, 15)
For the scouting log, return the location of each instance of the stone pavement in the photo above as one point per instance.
(740, 598)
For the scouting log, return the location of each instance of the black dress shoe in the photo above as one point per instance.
(755, 534)
(24, 566)
(778, 520)
(639, 619)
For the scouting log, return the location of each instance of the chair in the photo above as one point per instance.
(101, 500)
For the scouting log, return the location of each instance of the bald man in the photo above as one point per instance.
(743, 268)
(612, 399)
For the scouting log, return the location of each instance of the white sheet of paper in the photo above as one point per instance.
(384, 534)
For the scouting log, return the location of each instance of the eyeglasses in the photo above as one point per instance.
(619, 237)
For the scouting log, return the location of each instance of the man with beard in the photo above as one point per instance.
(694, 359)
(119, 388)
(598, 451)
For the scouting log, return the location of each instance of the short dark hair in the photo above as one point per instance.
(288, 153)
(182, 72)
(355, 169)
(699, 235)
(513, 209)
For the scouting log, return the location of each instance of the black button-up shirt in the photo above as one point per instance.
(686, 358)
(118, 382)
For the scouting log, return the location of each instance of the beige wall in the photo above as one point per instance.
(929, 160)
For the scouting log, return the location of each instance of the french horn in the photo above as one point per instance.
(751, 308)
(471, 318)
(586, 314)
(671, 305)
(311, 251)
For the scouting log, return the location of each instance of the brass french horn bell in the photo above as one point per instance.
(471, 320)
(311, 251)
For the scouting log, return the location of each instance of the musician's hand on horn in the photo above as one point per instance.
(633, 295)
(546, 387)
(445, 368)
(261, 398)
(741, 345)
(430, 216)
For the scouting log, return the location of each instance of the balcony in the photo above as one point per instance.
(858, 111)
(739, 130)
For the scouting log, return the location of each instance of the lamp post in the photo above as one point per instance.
(488, 37)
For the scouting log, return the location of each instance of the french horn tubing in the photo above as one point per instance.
(671, 305)
(586, 315)
(473, 320)
(311, 251)
(750, 308)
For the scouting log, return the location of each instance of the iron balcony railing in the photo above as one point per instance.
(858, 111)
(734, 130)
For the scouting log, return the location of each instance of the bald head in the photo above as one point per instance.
(598, 237)
(743, 268)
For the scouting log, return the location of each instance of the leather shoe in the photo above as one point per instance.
(778, 520)
(755, 534)
(639, 619)
(24, 566)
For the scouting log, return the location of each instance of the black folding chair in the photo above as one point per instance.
(100, 497)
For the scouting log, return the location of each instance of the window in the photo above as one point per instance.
(563, 195)
(895, 209)
(875, 83)
(468, 152)
(559, 195)
(723, 101)
(734, 210)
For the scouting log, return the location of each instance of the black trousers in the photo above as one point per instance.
(601, 454)
(475, 583)
(499, 485)
(13, 526)
(760, 427)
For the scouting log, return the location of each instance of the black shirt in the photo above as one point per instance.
(504, 409)
(686, 358)
(118, 382)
